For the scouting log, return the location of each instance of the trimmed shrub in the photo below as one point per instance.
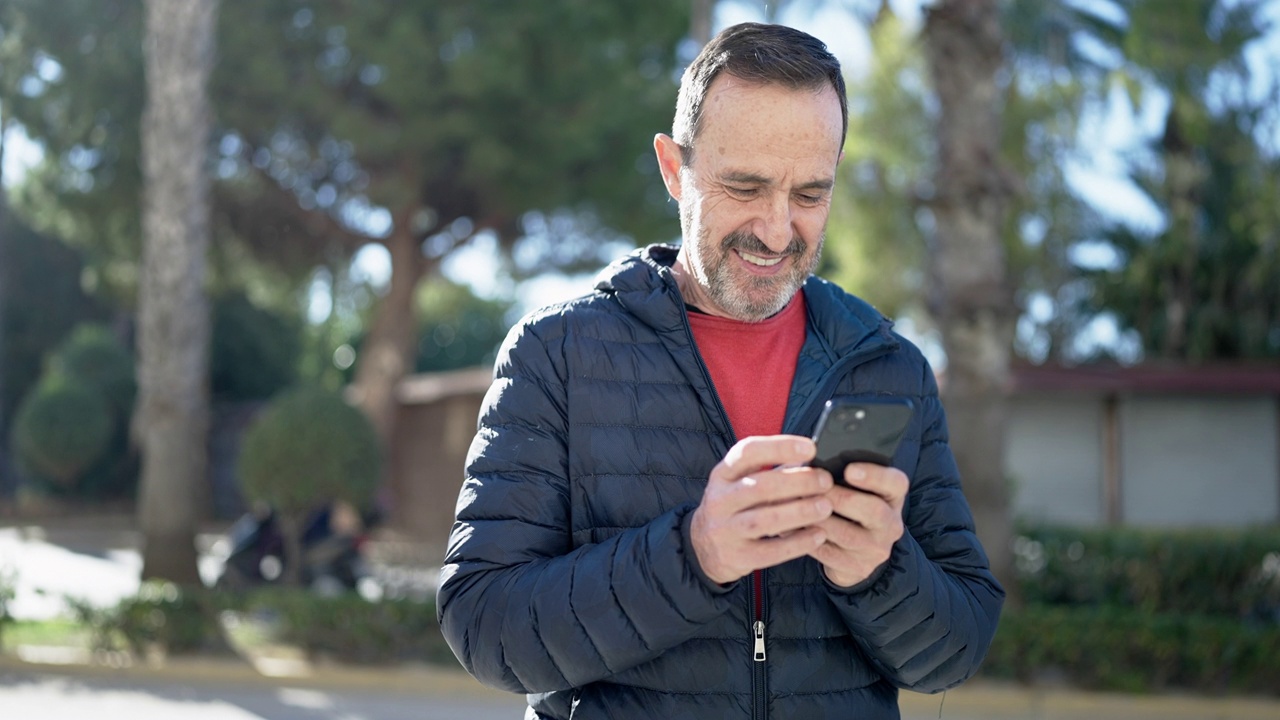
(177, 621)
(93, 354)
(1124, 649)
(307, 448)
(61, 429)
(350, 629)
(1233, 573)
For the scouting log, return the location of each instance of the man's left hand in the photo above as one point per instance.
(866, 523)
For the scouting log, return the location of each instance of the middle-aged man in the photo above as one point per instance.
(638, 535)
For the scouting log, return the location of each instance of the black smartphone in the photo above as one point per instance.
(866, 430)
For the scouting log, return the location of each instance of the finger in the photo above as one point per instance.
(887, 482)
(782, 518)
(844, 534)
(767, 552)
(760, 452)
(770, 487)
(870, 511)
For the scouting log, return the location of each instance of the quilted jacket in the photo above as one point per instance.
(570, 576)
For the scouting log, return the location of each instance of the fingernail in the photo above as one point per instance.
(801, 446)
(855, 473)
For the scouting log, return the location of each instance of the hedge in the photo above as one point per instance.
(1229, 573)
(1113, 648)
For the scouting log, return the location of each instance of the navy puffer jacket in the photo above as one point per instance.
(570, 575)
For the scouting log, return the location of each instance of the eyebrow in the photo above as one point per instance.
(750, 178)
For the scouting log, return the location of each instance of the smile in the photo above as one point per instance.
(760, 261)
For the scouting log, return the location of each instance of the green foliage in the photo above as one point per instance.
(162, 615)
(440, 113)
(1139, 610)
(254, 352)
(61, 429)
(458, 329)
(1230, 573)
(93, 354)
(8, 591)
(1124, 649)
(350, 629)
(74, 81)
(876, 248)
(38, 272)
(74, 436)
(309, 447)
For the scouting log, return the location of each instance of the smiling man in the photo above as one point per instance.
(638, 534)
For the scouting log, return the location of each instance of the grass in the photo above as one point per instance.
(59, 632)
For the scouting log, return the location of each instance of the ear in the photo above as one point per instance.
(670, 160)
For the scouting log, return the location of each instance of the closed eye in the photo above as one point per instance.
(743, 193)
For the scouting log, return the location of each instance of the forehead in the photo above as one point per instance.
(743, 119)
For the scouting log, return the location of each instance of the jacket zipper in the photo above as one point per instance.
(759, 676)
(759, 688)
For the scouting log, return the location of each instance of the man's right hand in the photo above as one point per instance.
(759, 508)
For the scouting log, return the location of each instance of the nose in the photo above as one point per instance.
(773, 227)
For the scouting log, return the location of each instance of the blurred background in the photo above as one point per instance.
(257, 256)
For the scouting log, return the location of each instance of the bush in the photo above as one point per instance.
(254, 352)
(353, 630)
(74, 437)
(8, 591)
(1232, 573)
(307, 448)
(177, 621)
(91, 353)
(61, 429)
(1125, 649)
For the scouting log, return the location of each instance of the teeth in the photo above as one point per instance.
(757, 260)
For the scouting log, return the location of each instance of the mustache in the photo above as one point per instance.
(748, 242)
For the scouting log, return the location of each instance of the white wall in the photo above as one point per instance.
(1184, 460)
(1199, 461)
(1054, 458)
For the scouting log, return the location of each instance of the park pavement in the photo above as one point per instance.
(98, 560)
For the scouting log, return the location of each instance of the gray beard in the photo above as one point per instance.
(745, 302)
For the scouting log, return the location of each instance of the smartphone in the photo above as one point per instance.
(867, 430)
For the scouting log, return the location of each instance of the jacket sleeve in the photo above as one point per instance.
(927, 618)
(521, 607)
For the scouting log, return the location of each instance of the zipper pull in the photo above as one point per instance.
(759, 628)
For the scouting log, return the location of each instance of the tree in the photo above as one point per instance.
(173, 328)
(1207, 285)
(444, 121)
(971, 295)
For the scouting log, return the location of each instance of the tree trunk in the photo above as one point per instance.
(971, 298)
(387, 352)
(172, 419)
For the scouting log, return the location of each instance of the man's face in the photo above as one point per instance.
(755, 197)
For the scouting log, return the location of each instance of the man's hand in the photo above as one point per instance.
(866, 523)
(755, 514)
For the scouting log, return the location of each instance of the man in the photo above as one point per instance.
(616, 553)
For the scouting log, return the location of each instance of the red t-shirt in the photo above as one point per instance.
(752, 364)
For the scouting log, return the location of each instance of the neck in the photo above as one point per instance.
(691, 290)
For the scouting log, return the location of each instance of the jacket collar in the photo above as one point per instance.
(840, 324)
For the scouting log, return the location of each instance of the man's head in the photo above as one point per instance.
(759, 127)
